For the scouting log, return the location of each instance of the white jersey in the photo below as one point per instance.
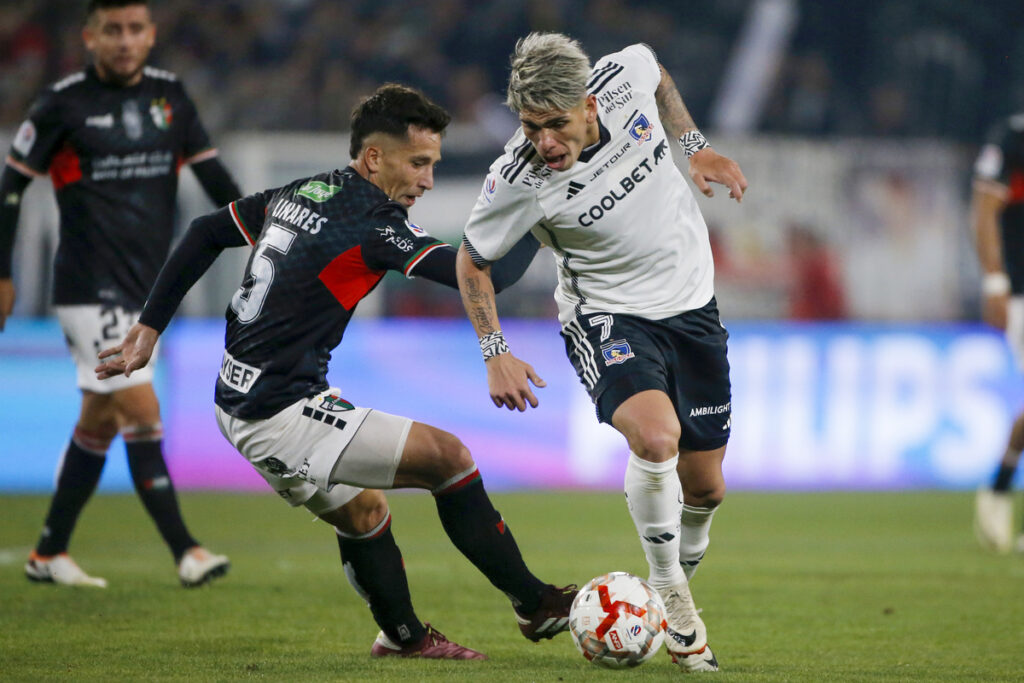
(623, 225)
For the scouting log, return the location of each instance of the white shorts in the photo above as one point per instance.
(1015, 328)
(297, 449)
(90, 328)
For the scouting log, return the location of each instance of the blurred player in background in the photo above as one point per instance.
(113, 138)
(591, 174)
(320, 245)
(997, 214)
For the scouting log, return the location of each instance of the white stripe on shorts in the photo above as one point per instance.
(584, 353)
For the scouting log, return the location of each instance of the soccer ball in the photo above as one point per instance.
(617, 620)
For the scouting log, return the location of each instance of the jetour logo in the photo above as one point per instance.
(318, 191)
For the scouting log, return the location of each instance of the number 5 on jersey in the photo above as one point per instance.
(247, 302)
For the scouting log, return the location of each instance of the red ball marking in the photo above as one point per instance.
(612, 610)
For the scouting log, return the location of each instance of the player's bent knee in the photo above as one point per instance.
(360, 515)
(452, 454)
(655, 445)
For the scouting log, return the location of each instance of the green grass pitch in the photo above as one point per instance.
(795, 587)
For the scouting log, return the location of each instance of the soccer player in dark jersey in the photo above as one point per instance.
(998, 218)
(320, 245)
(112, 138)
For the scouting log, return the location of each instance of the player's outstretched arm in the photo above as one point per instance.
(706, 165)
(508, 378)
(206, 237)
(439, 265)
(130, 355)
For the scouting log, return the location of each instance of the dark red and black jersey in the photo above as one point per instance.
(113, 154)
(320, 245)
(1002, 160)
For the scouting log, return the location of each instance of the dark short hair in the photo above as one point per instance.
(110, 4)
(391, 110)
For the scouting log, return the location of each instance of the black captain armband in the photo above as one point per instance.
(493, 344)
(692, 142)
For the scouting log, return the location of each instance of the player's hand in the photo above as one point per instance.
(993, 309)
(6, 300)
(708, 166)
(130, 355)
(508, 380)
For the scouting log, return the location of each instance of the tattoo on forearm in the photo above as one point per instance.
(674, 115)
(479, 305)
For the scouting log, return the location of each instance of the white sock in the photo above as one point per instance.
(693, 537)
(655, 496)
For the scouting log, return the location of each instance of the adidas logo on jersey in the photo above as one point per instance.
(574, 189)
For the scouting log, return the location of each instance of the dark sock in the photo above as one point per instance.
(1004, 478)
(153, 484)
(479, 532)
(79, 474)
(375, 569)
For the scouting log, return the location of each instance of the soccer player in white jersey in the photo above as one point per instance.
(591, 175)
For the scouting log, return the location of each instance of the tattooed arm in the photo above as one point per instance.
(706, 165)
(508, 378)
(671, 109)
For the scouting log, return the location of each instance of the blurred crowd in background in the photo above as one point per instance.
(834, 228)
(928, 68)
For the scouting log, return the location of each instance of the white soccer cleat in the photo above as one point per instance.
(993, 519)
(200, 565)
(698, 662)
(59, 569)
(685, 633)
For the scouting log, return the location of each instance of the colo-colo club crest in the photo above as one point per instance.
(616, 351)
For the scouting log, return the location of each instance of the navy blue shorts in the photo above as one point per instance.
(685, 356)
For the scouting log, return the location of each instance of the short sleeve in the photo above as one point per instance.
(505, 210)
(39, 136)
(994, 161)
(391, 242)
(640, 63)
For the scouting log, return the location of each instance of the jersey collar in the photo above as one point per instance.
(588, 153)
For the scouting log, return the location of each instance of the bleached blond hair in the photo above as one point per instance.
(549, 72)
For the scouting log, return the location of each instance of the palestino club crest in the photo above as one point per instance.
(335, 404)
(616, 351)
(160, 110)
